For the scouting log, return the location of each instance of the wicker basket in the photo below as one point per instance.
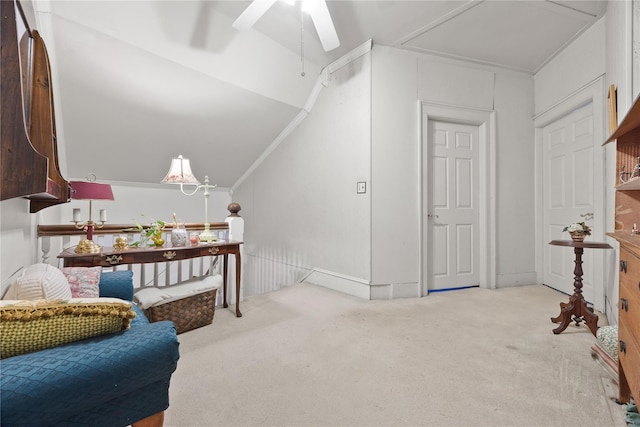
(190, 312)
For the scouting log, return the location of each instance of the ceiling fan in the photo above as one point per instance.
(317, 9)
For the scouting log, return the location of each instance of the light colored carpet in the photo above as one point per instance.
(309, 356)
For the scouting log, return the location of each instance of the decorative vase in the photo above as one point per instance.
(578, 236)
(194, 238)
(178, 235)
(157, 239)
(144, 240)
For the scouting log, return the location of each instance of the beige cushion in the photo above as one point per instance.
(40, 281)
(27, 326)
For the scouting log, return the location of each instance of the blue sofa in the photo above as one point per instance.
(111, 380)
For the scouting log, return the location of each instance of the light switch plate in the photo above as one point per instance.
(362, 187)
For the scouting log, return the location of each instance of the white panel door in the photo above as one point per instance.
(452, 235)
(568, 192)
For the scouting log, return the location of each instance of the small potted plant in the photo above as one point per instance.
(579, 230)
(153, 232)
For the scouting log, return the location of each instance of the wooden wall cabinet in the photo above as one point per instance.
(29, 157)
(627, 214)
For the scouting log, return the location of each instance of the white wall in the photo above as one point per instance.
(394, 172)
(577, 65)
(400, 80)
(143, 202)
(619, 56)
(574, 70)
(303, 216)
(17, 237)
(515, 179)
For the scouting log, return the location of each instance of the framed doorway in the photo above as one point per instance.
(569, 151)
(484, 121)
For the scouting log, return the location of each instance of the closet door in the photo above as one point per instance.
(453, 258)
(568, 193)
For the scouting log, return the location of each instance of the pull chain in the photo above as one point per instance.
(302, 41)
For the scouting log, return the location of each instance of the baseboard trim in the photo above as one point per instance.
(364, 289)
(361, 288)
(395, 290)
(338, 282)
(517, 279)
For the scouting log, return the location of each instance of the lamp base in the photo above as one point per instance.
(86, 246)
(208, 235)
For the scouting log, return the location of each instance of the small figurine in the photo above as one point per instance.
(121, 244)
(86, 246)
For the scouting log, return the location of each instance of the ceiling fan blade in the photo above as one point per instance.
(324, 26)
(252, 13)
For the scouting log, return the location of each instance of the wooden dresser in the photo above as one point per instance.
(629, 322)
(627, 216)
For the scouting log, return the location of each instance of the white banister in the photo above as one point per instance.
(236, 233)
(45, 247)
(53, 239)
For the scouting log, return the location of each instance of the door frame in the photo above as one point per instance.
(593, 93)
(486, 122)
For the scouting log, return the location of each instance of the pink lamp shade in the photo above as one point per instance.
(89, 190)
(180, 172)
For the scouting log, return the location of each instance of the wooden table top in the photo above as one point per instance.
(571, 243)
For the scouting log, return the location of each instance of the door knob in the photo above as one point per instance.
(432, 216)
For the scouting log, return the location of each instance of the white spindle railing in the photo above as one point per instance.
(53, 239)
(236, 232)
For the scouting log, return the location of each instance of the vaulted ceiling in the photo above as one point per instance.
(139, 82)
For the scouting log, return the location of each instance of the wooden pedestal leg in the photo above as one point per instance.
(238, 265)
(224, 280)
(576, 309)
(225, 273)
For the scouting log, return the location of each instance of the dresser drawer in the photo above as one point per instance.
(629, 307)
(629, 356)
(629, 269)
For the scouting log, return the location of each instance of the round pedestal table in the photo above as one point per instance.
(576, 309)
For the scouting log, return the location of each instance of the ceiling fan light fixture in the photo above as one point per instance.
(317, 9)
(309, 5)
(252, 13)
(324, 25)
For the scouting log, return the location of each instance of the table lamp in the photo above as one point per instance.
(180, 173)
(89, 190)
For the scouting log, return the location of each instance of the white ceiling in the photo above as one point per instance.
(139, 82)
